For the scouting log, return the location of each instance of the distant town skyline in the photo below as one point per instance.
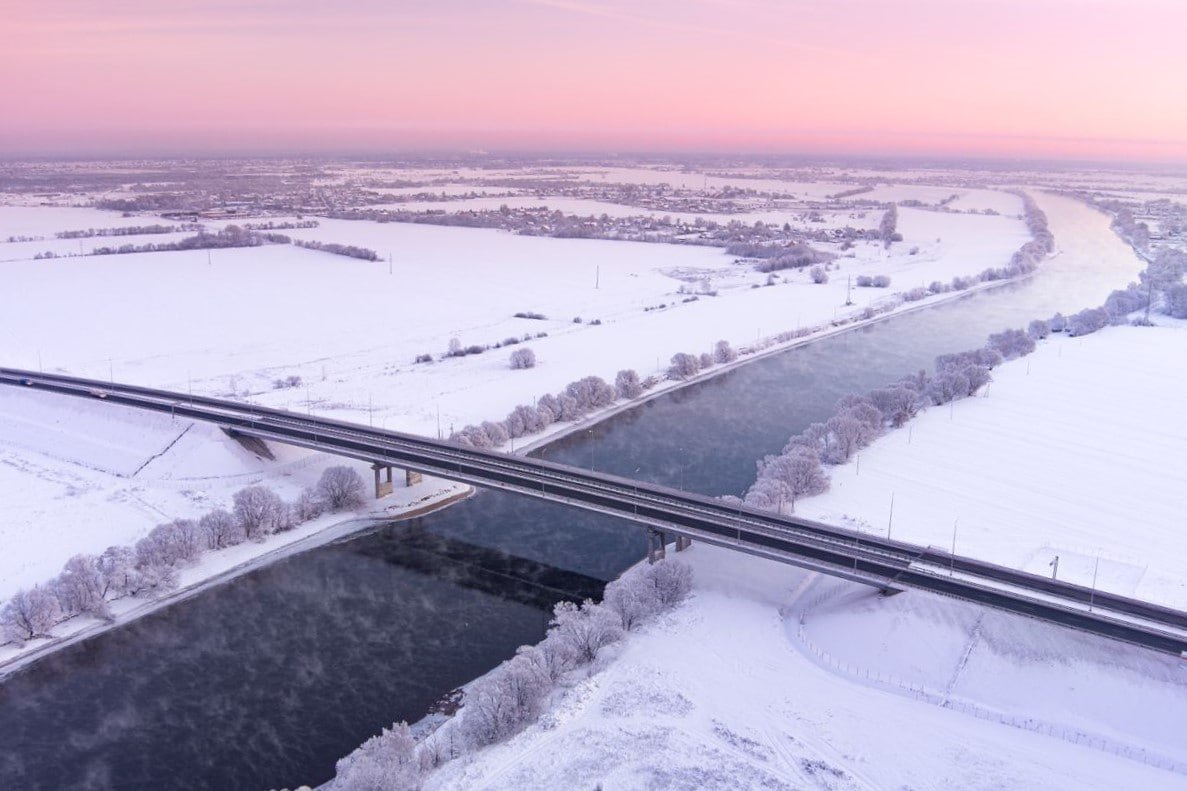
(1062, 79)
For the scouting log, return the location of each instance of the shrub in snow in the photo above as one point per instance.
(627, 384)
(1058, 323)
(864, 281)
(936, 287)
(496, 432)
(340, 488)
(387, 762)
(29, 613)
(818, 275)
(523, 358)
(706, 360)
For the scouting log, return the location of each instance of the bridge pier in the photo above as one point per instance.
(683, 543)
(656, 540)
(382, 487)
(412, 477)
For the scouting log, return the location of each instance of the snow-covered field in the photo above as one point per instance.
(725, 693)
(1075, 451)
(238, 319)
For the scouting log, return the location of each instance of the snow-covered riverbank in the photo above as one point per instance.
(723, 693)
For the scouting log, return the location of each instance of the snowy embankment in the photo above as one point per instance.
(724, 693)
(81, 476)
(1073, 451)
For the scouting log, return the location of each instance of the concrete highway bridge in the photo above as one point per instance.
(889, 565)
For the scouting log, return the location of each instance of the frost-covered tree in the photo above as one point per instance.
(80, 587)
(818, 275)
(849, 434)
(1176, 301)
(591, 392)
(881, 281)
(29, 613)
(387, 762)
(627, 384)
(1012, 343)
(308, 506)
(1088, 321)
(256, 509)
(117, 570)
(706, 360)
(340, 488)
(502, 702)
(768, 494)
(897, 403)
(684, 366)
(723, 352)
(455, 347)
(549, 402)
(221, 529)
(523, 358)
(1058, 323)
(633, 597)
(798, 470)
(586, 629)
(671, 579)
(496, 431)
(1038, 329)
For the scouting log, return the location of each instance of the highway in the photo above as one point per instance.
(883, 563)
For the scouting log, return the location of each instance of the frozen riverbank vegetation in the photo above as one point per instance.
(517, 692)
(862, 418)
(89, 583)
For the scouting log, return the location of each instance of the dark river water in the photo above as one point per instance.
(266, 681)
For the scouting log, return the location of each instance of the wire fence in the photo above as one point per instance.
(921, 692)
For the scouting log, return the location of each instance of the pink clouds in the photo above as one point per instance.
(1074, 78)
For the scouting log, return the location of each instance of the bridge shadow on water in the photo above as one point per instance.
(411, 546)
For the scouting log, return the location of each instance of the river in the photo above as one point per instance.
(267, 680)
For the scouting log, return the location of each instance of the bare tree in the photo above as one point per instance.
(29, 613)
(257, 509)
(221, 529)
(340, 488)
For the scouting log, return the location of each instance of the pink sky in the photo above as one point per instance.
(1050, 78)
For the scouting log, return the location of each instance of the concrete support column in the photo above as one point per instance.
(683, 543)
(382, 488)
(412, 477)
(655, 545)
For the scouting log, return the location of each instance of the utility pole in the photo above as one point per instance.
(849, 291)
(598, 277)
(389, 263)
(1054, 564)
(1092, 593)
